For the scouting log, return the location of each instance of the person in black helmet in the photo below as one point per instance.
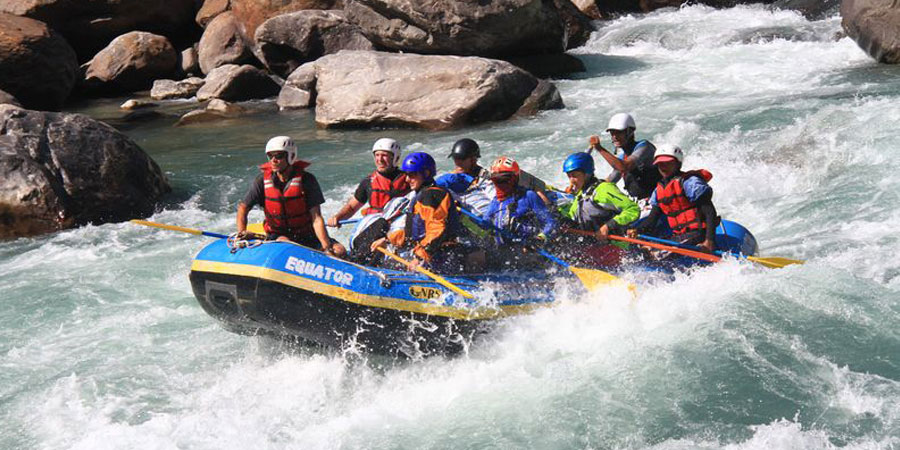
(473, 183)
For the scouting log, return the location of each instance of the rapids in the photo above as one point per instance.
(103, 346)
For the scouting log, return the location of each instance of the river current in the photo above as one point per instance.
(103, 346)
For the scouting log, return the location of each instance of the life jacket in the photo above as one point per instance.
(683, 216)
(590, 214)
(510, 218)
(639, 183)
(414, 226)
(383, 190)
(286, 211)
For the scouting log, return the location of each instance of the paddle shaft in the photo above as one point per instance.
(774, 262)
(443, 281)
(669, 248)
(177, 228)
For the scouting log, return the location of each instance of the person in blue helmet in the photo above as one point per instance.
(520, 213)
(598, 206)
(432, 228)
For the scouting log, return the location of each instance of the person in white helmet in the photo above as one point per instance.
(686, 200)
(383, 184)
(632, 160)
(290, 197)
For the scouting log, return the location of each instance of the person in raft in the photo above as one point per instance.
(686, 200)
(472, 183)
(632, 160)
(432, 227)
(520, 213)
(290, 197)
(383, 184)
(599, 207)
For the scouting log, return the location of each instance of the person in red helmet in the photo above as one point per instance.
(684, 198)
(290, 197)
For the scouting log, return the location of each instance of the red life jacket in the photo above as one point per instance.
(683, 216)
(383, 190)
(286, 211)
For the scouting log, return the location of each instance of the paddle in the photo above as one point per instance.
(679, 250)
(774, 262)
(443, 281)
(175, 228)
(590, 278)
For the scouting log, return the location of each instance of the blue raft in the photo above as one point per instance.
(287, 289)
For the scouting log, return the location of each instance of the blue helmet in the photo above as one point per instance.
(419, 162)
(579, 161)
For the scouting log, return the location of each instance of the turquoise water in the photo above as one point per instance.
(102, 344)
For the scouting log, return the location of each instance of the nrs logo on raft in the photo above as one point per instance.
(317, 270)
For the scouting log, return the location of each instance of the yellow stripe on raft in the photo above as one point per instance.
(476, 313)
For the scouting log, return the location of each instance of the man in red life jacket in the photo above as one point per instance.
(290, 197)
(379, 187)
(686, 200)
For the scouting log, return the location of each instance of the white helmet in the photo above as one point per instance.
(621, 122)
(668, 152)
(282, 144)
(388, 145)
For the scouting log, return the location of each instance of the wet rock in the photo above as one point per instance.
(578, 24)
(549, 66)
(875, 26)
(299, 90)
(168, 89)
(132, 104)
(189, 62)
(37, 65)
(497, 28)
(211, 9)
(251, 14)
(364, 89)
(214, 111)
(222, 43)
(811, 9)
(544, 96)
(130, 63)
(588, 8)
(60, 170)
(237, 83)
(90, 25)
(285, 42)
(6, 99)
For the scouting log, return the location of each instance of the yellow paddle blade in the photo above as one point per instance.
(775, 262)
(147, 223)
(256, 228)
(593, 279)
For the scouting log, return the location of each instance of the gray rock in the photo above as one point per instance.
(37, 65)
(189, 62)
(578, 24)
(222, 43)
(6, 99)
(167, 89)
(216, 110)
(60, 170)
(356, 89)
(130, 63)
(285, 42)
(299, 90)
(132, 104)
(237, 83)
(90, 25)
(875, 26)
(495, 28)
(811, 9)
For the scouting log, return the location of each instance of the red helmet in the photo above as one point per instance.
(504, 165)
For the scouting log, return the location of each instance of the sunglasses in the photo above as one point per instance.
(503, 179)
(277, 155)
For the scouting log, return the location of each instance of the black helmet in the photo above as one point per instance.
(465, 148)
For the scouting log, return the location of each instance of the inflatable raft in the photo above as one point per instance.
(287, 289)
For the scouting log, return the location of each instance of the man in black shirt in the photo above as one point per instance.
(290, 197)
(379, 187)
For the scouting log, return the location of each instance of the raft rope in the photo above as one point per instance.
(236, 244)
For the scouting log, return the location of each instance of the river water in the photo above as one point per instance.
(102, 344)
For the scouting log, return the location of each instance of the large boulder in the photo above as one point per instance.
(578, 24)
(222, 43)
(130, 63)
(875, 26)
(357, 88)
(37, 65)
(89, 25)
(168, 89)
(285, 42)
(252, 13)
(60, 170)
(235, 83)
(210, 9)
(457, 27)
